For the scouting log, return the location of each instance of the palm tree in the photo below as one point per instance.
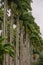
(4, 27)
(21, 45)
(11, 31)
(32, 29)
(20, 10)
(17, 41)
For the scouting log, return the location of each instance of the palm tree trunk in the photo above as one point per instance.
(4, 23)
(28, 49)
(24, 54)
(30, 54)
(21, 46)
(5, 19)
(4, 30)
(17, 41)
(11, 36)
(12, 60)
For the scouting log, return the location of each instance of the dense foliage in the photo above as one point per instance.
(21, 16)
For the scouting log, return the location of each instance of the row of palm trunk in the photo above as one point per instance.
(22, 47)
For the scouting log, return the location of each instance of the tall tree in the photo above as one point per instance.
(11, 31)
(21, 11)
(17, 41)
(4, 29)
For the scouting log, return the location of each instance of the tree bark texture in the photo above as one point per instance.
(17, 40)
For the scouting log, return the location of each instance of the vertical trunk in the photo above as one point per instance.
(24, 54)
(21, 46)
(12, 60)
(11, 36)
(30, 54)
(24, 60)
(26, 51)
(4, 30)
(17, 41)
(5, 19)
(11, 27)
(28, 48)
